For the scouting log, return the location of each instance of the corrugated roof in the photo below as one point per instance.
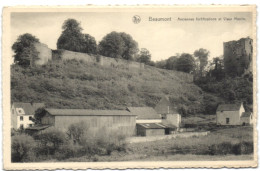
(228, 107)
(246, 114)
(87, 112)
(152, 125)
(29, 109)
(144, 112)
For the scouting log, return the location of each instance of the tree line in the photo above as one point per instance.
(114, 45)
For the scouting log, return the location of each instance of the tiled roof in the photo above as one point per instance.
(228, 107)
(29, 109)
(246, 114)
(144, 112)
(87, 112)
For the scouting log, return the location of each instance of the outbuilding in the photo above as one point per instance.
(246, 118)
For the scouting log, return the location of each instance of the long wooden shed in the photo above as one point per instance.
(121, 121)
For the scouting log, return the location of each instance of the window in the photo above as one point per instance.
(12, 111)
(21, 118)
(30, 118)
(227, 120)
(21, 126)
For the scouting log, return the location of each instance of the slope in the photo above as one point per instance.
(75, 84)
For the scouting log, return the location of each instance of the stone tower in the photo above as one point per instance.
(238, 56)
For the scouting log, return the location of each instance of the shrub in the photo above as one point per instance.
(221, 149)
(243, 148)
(50, 141)
(22, 146)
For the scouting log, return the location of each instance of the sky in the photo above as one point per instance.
(162, 38)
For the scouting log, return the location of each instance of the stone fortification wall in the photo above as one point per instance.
(45, 53)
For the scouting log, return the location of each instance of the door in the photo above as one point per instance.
(227, 120)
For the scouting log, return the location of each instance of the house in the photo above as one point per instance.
(22, 114)
(121, 121)
(168, 113)
(232, 114)
(149, 123)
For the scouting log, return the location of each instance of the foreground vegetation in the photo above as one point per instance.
(230, 143)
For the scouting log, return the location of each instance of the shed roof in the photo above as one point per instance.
(29, 109)
(152, 125)
(87, 112)
(38, 127)
(229, 107)
(144, 112)
(246, 114)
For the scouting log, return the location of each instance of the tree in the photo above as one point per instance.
(202, 54)
(185, 63)
(89, 44)
(25, 51)
(39, 113)
(77, 131)
(118, 45)
(171, 63)
(71, 37)
(131, 47)
(144, 56)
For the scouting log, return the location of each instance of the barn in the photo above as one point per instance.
(121, 121)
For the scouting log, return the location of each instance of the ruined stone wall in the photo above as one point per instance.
(45, 53)
(238, 56)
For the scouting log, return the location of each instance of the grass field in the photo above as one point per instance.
(181, 149)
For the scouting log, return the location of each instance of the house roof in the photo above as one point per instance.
(228, 107)
(144, 112)
(29, 109)
(87, 112)
(164, 106)
(246, 114)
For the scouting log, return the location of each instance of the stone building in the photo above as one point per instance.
(238, 56)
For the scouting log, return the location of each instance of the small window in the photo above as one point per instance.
(12, 111)
(21, 126)
(222, 111)
(164, 117)
(30, 118)
(227, 120)
(21, 118)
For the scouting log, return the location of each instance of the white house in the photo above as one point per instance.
(22, 114)
(232, 114)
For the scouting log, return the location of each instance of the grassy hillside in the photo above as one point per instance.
(74, 84)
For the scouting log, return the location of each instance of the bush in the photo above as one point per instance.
(228, 148)
(243, 148)
(50, 141)
(22, 146)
